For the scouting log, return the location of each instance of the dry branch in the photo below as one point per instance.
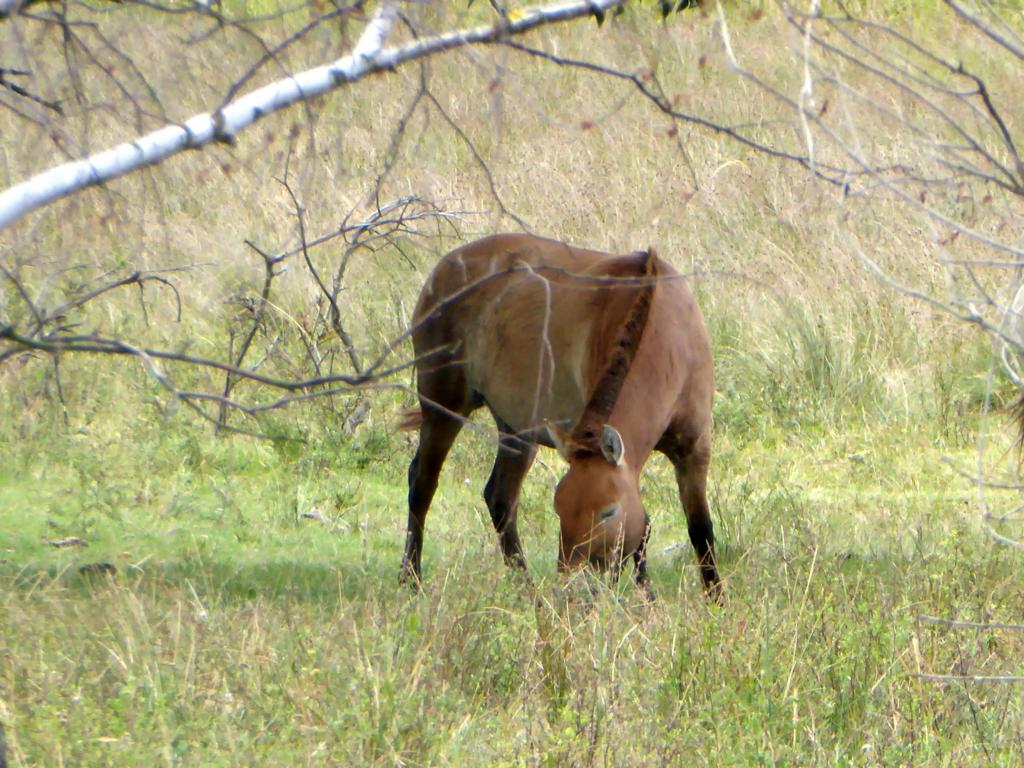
(368, 56)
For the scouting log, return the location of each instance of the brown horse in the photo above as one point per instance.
(604, 357)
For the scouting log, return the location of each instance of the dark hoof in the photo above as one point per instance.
(648, 593)
(516, 562)
(408, 577)
(521, 580)
(715, 592)
(98, 569)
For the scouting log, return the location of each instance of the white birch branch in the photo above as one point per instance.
(369, 56)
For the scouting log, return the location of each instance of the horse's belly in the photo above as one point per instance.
(527, 404)
(528, 375)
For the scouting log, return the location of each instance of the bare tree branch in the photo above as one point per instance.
(836, 176)
(368, 57)
(986, 29)
(13, 87)
(95, 344)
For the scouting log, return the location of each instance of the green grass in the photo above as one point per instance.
(236, 632)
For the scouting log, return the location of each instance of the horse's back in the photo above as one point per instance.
(531, 320)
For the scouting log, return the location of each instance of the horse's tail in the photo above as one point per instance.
(411, 419)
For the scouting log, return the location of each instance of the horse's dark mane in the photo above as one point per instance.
(587, 433)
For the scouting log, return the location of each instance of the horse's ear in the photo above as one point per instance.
(611, 446)
(561, 439)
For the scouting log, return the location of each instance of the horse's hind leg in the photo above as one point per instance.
(502, 491)
(691, 460)
(437, 433)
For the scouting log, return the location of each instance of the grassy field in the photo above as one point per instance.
(252, 614)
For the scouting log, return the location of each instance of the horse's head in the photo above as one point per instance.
(597, 501)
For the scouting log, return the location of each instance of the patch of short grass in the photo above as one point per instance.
(235, 631)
